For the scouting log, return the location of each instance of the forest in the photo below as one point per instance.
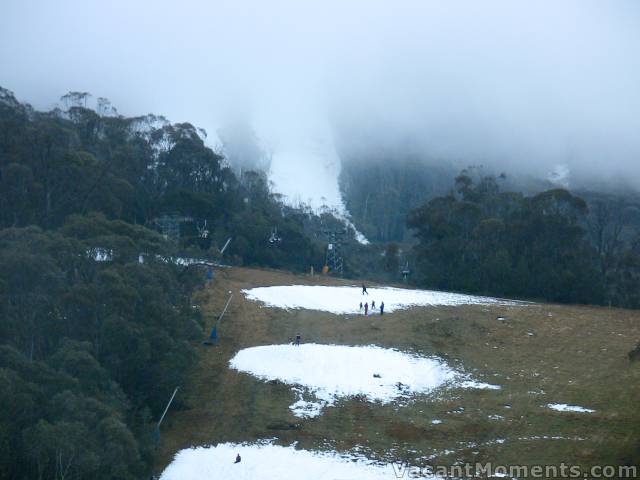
(380, 190)
(553, 246)
(97, 326)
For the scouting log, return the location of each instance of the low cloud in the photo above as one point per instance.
(521, 86)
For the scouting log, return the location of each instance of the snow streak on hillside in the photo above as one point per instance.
(272, 462)
(346, 300)
(563, 407)
(307, 174)
(322, 374)
(305, 168)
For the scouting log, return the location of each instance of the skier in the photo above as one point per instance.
(373, 305)
(366, 308)
(298, 337)
(238, 459)
(364, 289)
(382, 308)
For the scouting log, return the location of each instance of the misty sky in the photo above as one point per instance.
(528, 84)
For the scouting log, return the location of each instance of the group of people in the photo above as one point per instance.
(373, 303)
(373, 307)
(364, 306)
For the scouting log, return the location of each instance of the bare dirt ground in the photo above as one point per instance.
(538, 354)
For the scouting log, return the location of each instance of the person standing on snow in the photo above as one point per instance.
(360, 306)
(366, 308)
(364, 289)
(373, 305)
(298, 337)
(382, 308)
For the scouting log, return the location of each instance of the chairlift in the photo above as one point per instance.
(203, 231)
(274, 238)
(406, 271)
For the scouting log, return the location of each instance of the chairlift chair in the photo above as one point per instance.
(406, 271)
(274, 238)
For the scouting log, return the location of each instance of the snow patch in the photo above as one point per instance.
(549, 437)
(343, 300)
(327, 373)
(304, 408)
(270, 462)
(360, 238)
(563, 407)
(479, 385)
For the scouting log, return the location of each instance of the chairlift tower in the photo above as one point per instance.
(203, 231)
(334, 258)
(169, 226)
(406, 272)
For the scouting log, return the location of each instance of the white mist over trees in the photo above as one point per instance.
(524, 86)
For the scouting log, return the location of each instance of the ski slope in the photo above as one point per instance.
(332, 371)
(346, 300)
(271, 462)
(323, 374)
(305, 167)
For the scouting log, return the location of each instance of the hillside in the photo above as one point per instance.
(538, 354)
(100, 214)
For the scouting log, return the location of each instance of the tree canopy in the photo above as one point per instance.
(479, 238)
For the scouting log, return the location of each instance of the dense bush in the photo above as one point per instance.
(92, 340)
(551, 245)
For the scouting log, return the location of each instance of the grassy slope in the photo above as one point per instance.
(573, 354)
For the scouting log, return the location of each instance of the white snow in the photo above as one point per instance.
(332, 371)
(479, 385)
(187, 261)
(360, 238)
(549, 437)
(270, 462)
(305, 168)
(100, 254)
(307, 173)
(563, 407)
(321, 374)
(342, 300)
(306, 409)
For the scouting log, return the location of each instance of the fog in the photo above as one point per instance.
(521, 86)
